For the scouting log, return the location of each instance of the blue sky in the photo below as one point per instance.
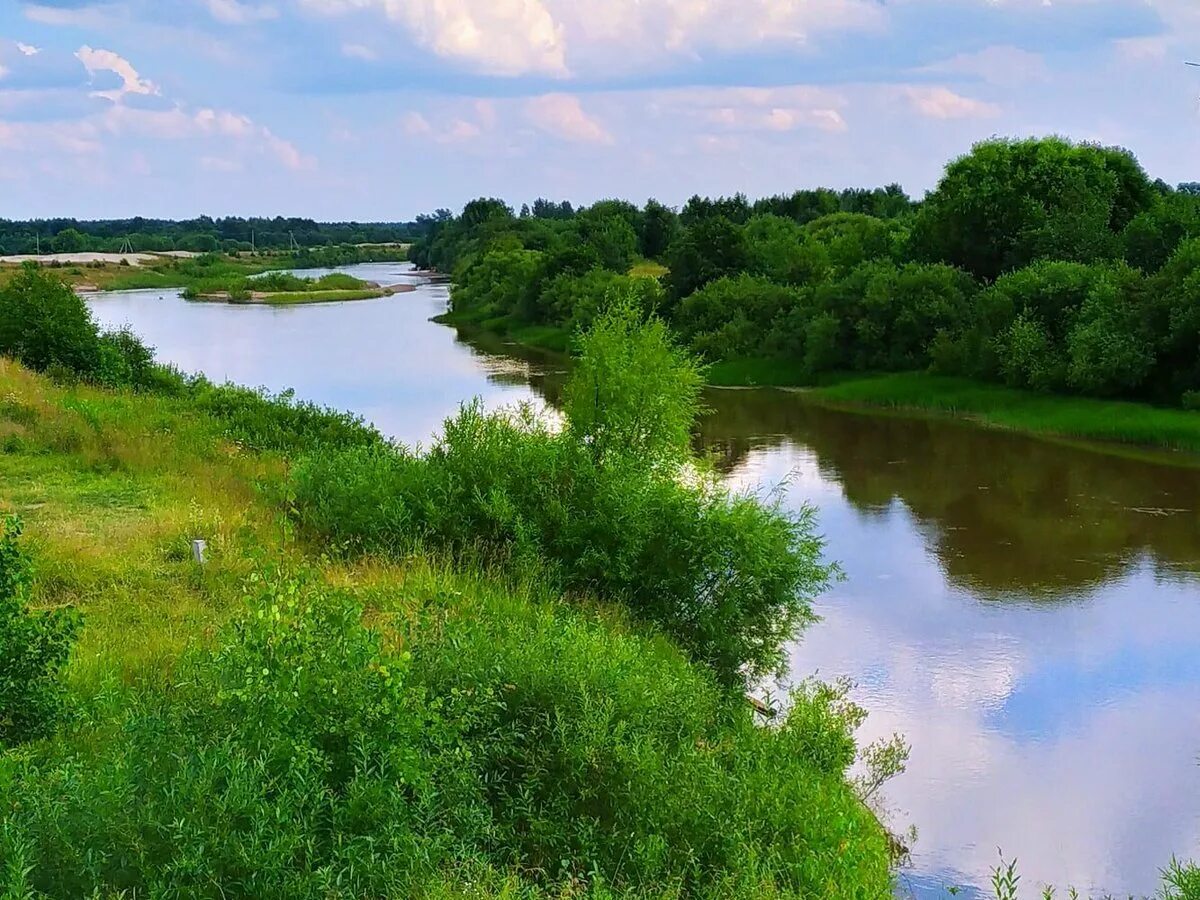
(380, 109)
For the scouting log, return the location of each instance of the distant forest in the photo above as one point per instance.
(201, 235)
(1041, 264)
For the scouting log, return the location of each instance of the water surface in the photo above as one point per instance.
(1025, 612)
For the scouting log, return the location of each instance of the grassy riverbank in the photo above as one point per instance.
(205, 270)
(384, 682)
(1076, 417)
(1112, 421)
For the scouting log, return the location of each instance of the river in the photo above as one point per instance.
(1025, 612)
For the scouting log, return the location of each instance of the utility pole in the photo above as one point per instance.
(38, 238)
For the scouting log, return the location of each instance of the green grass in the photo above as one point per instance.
(301, 297)
(1076, 417)
(755, 373)
(543, 337)
(487, 730)
(648, 268)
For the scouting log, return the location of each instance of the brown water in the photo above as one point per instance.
(1026, 613)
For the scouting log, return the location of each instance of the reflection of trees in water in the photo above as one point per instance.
(1003, 512)
(514, 365)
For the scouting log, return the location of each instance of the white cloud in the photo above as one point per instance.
(496, 37)
(234, 12)
(641, 33)
(562, 116)
(779, 109)
(83, 17)
(943, 103)
(359, 51)
(107, 61)
(561, 37)
(28, 49)
(460, 125)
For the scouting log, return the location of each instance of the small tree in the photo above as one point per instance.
(34, 647)
(43, 322)
(634, 392)
(69, 241)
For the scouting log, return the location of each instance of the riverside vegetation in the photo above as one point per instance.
(1056, 270)
(412, 700)
(383, 682)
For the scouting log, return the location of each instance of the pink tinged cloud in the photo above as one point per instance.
(107, 61)
(943, 103)
(564, 117)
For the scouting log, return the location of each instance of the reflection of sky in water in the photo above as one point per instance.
(380, 358)
(1011, 608)
(1065, 733)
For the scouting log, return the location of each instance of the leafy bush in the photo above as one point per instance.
(1182, 882)
(302, 757)
(260, 421)
(34, 647)
(125, 361)
(733, 317)
(44, 323)
(612, 504)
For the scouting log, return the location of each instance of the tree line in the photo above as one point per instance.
(1040, 263)
(200, 235)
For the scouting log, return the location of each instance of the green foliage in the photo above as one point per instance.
(577, 300)
(610, 505)
(260, 421)
(634, 393)
(126, 362)
(710, 249)
(34, 648)
(1010, 203)
(850, 239)
(500, 283)
(1152, 236)
(1182, 882)
(69, 241)
(734, 317)
(44, 323)
(303, 756)
(779, 250)
(660, 225)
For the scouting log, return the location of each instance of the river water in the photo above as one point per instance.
(1025, 612)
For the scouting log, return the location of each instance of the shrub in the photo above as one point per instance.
(44, 323)
(125, 361)
(1009, 203)
(34, 648)
(734, 317)
(304, 757)
(612, 504)
(261, 421)
(1182, 882)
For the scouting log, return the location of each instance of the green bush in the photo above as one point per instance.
(125, 361)
(44, 323)
(612, 504)
(34, 647)
(1009, 203)
(734, 316)
(1182, 882)
(302, 757)
(260, 421)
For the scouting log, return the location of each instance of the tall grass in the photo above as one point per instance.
(1107, 420)
(306, 754)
